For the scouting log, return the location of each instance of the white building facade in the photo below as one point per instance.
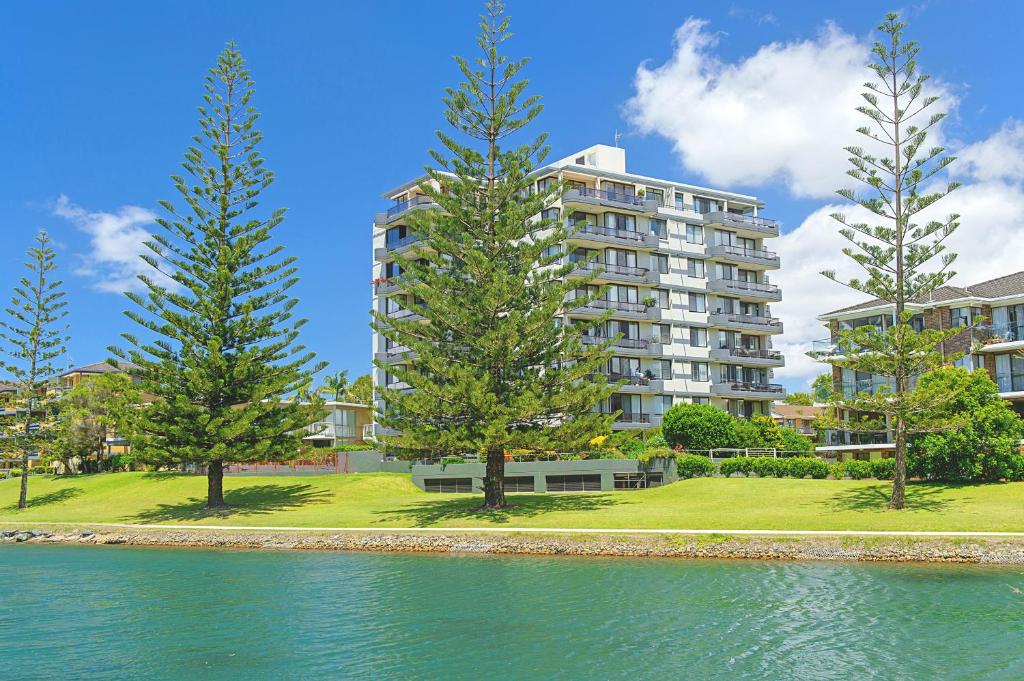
(687, 275)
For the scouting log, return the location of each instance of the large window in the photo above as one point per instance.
(699, 371)
(963, 316)
(659, 227)
(448, 485)
(574, 483)
(698, 337)
(1009, 373)
(695, 268)
(697, 302)
(694, 234)
(624, 223)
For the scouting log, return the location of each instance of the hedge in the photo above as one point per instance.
(858, 470)
(693, 466)
(772, 467)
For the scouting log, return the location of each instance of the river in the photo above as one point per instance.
(131, 613)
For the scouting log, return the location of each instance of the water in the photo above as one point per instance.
(129, 613)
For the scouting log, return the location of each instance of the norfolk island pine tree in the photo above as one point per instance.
(222, 350)
(493, 371)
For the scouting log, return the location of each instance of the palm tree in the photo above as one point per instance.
(335, 384)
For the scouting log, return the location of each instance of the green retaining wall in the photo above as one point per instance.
(539, 470)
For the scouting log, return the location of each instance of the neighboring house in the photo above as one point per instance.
(699, 253)
(799, 417)
(74, 376)
(344, 424)
(992, 316)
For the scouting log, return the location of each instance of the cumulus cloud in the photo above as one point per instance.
(782, 114)
(116, 240)
(999, 157)
(986, 243)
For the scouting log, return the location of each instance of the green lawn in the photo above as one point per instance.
(385, 499)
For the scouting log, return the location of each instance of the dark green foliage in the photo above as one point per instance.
(736, 464)
(823, 388)
(352, 448)
(776, 467)
(698, 427)
(693, 466)
(656, 441)
(803, 466)
(759, 432)
(32, 338)
(645, 457)
(221, 350)
(798, 398)
(493, 372)
(884, 469)
(858, 470)
(632, 448)
(983, 446)
(794, 441)
(767, 467)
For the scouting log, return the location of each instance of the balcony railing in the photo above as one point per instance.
(748, 386)
(753, 353)
(757, 320)
(617, 305)
(604, 195)
(597, 230)
(726, 250)
(625, 270)
(394, 244)
(826, 347)
(629, 343)
(752, 222)
(1001, 333)
(403, 206)
(745, 287)
(629, 417)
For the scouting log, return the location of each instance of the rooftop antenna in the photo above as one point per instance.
(618, 136)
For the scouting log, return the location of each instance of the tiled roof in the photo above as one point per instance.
(993, 288)
(797, 411)
(99, 368)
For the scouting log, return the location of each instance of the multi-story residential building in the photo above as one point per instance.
(686, 270)
(992, 315)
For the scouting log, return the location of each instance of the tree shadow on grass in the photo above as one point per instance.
(424, 513)
(54, 497)
(252, 500)
(919, 497)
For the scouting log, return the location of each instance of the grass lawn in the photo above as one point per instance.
(389, 499)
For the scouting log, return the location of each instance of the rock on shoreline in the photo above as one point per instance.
(840, 548)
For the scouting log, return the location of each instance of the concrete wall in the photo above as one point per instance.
(606, 468)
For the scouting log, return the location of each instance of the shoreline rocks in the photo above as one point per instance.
(824, 548)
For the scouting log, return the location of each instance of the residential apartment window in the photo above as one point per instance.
(970, 362)
(659, 262)
(699, 371)
(624, 223)
(663, 369)
(554, 251)
(752, 309)
(702, 205)
(659, 227)
(697, 302)
(396, 234)
(1008, 322)
(656, 194)
(622, 294)
(391, 305)
(1009, 373)
(545, 184)
(680, 201)
(618, 190)
(695, 268)
(550, 214)
(724, 238)
(661, 333)
(620, 257)
(392, 269)
(963, 316)
(582, 255)
(698, 337)
(694, 234)
(661, 295)
(629, 330)
(700, 400)
(662, 403)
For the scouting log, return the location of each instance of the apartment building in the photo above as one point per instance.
(687, 276)
(992, 315)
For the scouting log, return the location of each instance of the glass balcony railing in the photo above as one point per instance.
(403, 206)
(393, 244)
(606, 195)
(1001, 333)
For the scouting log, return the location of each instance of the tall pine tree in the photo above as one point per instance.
(494, 371)
(34, 336)
(896, 251)
(224, 350)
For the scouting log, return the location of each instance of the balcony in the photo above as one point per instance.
(636, 384)
(749, 390)
(635, 421)
(404, 313)
(610, 272)
(393, 246)
(399, 209)
(749, 357)
(745, 322)
(756, 226)
(591, 233)
(1000, 337)
(383, 287)
(611, 199)
(825, 349)
(746, 289)
(750, 256)
(395, 355)
(628, 346)
(596, 308)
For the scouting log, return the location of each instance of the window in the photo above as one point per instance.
(626, 223)
(448, 485)
(679, 201)
(392, 269)
(970, 362)
(698, 337)
(700, 400)
(695, 268)
(581, 160)
(620, 257)
(553, 251)
(724, 238)
(659, 262)
(637, 480)
(550, 214)
(656, 194)
(702, 205)
(698, 302)
(963, 316)
(661, 295)
(694, 234)
(573, 483)
(545, 184)
(663, 369)
(659, 227)
(519, 483)
(699, 371)
(661, 333)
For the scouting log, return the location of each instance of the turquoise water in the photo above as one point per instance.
(130, 613)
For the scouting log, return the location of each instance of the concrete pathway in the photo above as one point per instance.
(533, 530)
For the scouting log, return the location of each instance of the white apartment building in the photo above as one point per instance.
(687, 275)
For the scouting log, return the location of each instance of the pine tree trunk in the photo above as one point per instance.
(899, 483)
(494, 480)
(23, 498)
(215, 485)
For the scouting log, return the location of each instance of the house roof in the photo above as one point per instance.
(1000, 287)
(100, 368)
(797, 411)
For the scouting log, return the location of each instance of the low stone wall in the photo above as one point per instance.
(846, 548)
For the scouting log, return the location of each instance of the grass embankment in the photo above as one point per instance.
(391, 500)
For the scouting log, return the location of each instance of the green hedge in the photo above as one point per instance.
(858, 470)
(352, 448)
(884, 469)
(772, 467)
(693, 466)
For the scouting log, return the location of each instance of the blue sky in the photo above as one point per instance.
(99, 103)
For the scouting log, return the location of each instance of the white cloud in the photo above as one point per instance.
(986, 243)
(782, 114)
(999, 157)
(116, 240)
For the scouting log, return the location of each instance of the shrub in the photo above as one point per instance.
(647, 455)
(698, 427)
(657, 441)
(693, 466)
(837, 470)
(793, 441)
(632, 448)
(451, 459)
(802, 466)
(884, 469)
(736, 464)
(15, 472)
(858, 470)
(767, 467)
(352, 448)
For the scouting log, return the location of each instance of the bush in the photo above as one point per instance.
(802, 466)
(767, 467)
(15, 472)
(758, 432)
(647, 455)
(632, 448)
(352, 448)
(793, 441)
(657, 441)
(447, 460)
(736, 464)
(837, 470)
(693, 466)
(884, 469)
(858, 470)
(698, 427)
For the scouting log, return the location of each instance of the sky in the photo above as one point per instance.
(99, 103)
